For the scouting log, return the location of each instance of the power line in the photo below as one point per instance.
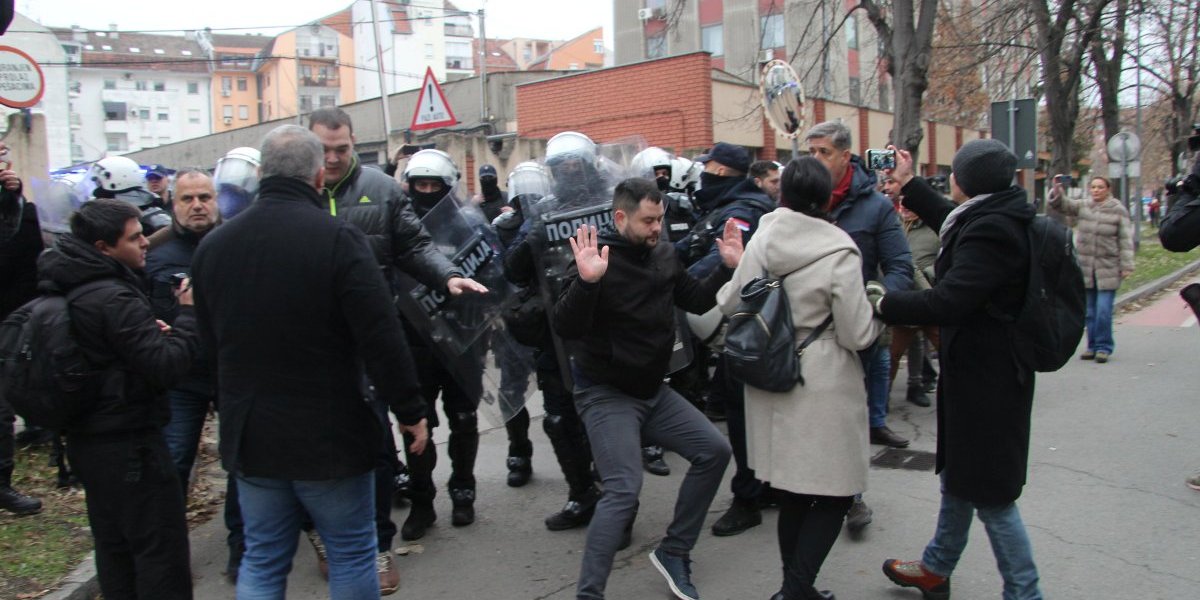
(449, 14)
(132, 65)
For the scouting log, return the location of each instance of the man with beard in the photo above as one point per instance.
(726, 195)
(617, 312)
(194, 214)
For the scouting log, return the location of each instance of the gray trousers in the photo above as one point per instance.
(616, 425)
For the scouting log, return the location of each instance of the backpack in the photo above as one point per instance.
(44, 374)
(1051, 321)
(760, 342)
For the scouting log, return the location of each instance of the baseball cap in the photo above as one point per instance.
(487, 171)
(734, 157)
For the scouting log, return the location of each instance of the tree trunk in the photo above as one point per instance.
(1108, 70)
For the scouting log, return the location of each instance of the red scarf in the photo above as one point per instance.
(842, 189)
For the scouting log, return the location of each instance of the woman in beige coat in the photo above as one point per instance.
(1104, 241)
(810, 443)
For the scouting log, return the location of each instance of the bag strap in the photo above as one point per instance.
(816, 333)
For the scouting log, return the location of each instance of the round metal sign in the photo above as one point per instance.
(21, 79)
(1124, 146)
(782, 98)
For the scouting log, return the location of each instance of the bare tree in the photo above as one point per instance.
(1170, 58)
(906, 44)
(1108, 52)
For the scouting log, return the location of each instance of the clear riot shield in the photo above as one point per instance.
(463, 329)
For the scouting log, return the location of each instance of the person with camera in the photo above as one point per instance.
(135, 504)
(1179, 231)
(863, 212)
(985, 396)
(1104, 243)
(810, 442)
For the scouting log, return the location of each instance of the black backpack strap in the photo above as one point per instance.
(816, 333)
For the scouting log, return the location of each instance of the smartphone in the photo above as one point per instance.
(1065, 180)
(177, 280)
(878, 160)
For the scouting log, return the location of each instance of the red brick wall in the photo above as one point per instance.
(667, 102)
(864, 130)
(768, 151)
(818, 111)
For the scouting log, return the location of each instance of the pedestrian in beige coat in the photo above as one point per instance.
(810, 443)
(1104, 242)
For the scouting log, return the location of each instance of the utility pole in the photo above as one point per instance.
(383, 93)
(484, 117)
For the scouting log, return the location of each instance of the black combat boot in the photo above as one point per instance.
(463, 447)
(17, 503)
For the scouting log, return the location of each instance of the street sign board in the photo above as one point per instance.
(1014, 122)
(432, 109)
(1133, 168)
(1124, 146)
(21, 81)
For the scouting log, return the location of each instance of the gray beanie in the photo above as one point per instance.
(984, 167)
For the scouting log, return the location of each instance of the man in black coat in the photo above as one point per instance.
(617, 310)
(294, 306)
(135, 506)
(985, 395)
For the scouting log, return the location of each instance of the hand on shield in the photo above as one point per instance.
(420, 434)
(457, 285)
(590, 259)
(729, 245)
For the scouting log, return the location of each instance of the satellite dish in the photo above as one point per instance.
(782, 98)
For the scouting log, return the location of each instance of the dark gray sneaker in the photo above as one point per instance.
(678, 572)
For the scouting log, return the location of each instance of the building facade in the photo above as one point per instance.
(303, 69)
(45, 48)
(234, 85)
(132, 91)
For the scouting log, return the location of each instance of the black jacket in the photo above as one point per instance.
(622, 328)
(985, 395)
(294, 306)
(18, 259)
(174, 255)
(115, 328)
(1180, 228)
(375, 204)
(743, 201)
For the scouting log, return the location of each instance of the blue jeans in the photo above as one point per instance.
(182, 433)
(1006, 532)
(877, 363)
(343, 511)
(1099, 320)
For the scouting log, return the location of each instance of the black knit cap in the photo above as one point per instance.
(984, 167)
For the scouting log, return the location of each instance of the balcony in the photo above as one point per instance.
(459, 31)
(319, 81)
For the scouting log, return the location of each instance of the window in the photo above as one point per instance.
(855, 91)
(144, 114)
(141, 86)
(227, 111)
(226, 84)
(194, 116)
(328, 101)
(527, 54)
(598, 46)
(164, 114)
(323, 73)
(306, 71)
(305, 103)
(114, 111)
(110, 84)
(851, 32)
(116, 142)
(241, 83)
(193, 88)
(656, 45)
(712, 39)
(243, 112)
(428, 50)
(573, 66)
(105, 47)
(186, 52)
(135, 50)
(772, 31)
(160, 86)
(159, 51)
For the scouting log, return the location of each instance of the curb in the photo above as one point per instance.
(1155, 286)
(80, 584)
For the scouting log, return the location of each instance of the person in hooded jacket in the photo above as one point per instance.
(491, 199)
(810, 443)
(985, 394)
(135, 503)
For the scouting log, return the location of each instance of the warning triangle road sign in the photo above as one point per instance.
(432, 109)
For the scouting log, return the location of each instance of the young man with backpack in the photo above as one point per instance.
(116, 447)
(985, 394)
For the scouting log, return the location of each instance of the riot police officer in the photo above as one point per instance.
(122, 178)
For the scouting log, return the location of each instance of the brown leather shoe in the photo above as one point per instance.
(913, 574)
(886, 437)
(1101, 357)
(389, 577)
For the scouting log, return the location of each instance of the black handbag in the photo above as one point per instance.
(760, 341)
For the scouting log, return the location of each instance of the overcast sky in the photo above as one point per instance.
(545, 19)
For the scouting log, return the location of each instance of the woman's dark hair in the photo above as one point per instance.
(102, 219)
(805, 187)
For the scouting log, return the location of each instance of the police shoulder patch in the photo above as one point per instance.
(740, 224)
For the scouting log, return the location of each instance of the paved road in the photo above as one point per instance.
(1106, 506)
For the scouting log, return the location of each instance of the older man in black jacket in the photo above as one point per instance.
(309, 309)
(135, 504)
(618, 311)
(985, 395)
